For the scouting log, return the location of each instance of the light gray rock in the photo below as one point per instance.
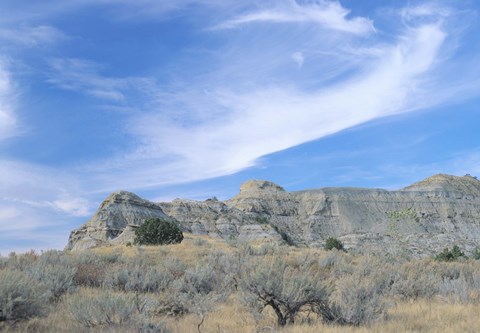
(215, 218)
(418, 220)
(117, 211)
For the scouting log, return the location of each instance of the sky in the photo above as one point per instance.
(190, 98)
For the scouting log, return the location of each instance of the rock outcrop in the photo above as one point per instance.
(418, 220)
(116, 212)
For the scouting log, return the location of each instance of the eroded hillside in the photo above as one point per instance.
(418, 220)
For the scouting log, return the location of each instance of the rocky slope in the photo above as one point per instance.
(418, 220)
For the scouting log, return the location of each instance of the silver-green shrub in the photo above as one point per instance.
(101, 308)
(21, 297)
(273, 283)
(416, 279)
(139, 278)
(358, 300)
(55, 271)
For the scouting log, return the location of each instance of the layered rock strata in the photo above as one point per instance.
(418, 220)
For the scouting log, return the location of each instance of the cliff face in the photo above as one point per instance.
(419, 220)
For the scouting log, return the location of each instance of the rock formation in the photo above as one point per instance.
(418, 220)
(117, 214)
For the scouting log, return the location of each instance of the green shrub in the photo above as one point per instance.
(333, 243)
(261, 220)
(156, 231)
(476, 253)
(450, 255)
(20, 296)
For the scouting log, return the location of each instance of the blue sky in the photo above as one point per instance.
(190, 98)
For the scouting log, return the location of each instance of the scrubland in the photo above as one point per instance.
(209, 285)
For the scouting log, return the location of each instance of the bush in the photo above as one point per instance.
(22, 261)
(20, 296)
(261, 220)
(101, 308)
(139, 278)
(156, 231)
(286, 289)
(359, 301)
(333, 243)
(198, 291)
(58, 279)
(54, 270)
(453, 255)
(476, 253)
(414, 280)
(89, 275)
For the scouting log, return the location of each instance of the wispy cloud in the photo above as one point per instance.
(224, 119)
(298, 58)
(8, 121)
(85, 77)
(38, 206)
(82, 76)
(244, 97)
(326, 14)
(31, 36)
(23, 184)
(424, 11)
(19, 37)
(264, 120)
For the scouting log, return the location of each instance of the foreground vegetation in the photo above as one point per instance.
(208, 285)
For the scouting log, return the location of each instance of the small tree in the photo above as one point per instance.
(286, 289)
(333, 243)
(156, 231)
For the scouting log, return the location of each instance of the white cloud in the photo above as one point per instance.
(246, 103)
(39, 206)
(245, 124)
(82, 76)
(73, 206)
(39, 187)
(85, 77)
(31, 36)
(327, 14)
(425, 10)
(221, 121)
(26, 37)
(23, 228)
(8, 121)
(298, 58)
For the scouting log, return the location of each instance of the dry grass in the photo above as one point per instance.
(413, 317)
(232, 316)
(189, 250)
(420, 316)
